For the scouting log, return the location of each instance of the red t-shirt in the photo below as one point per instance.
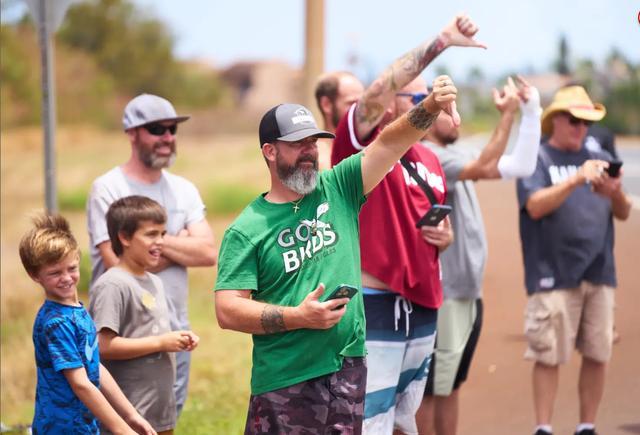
(392, 248)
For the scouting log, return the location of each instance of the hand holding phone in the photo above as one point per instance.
(342, 291)
(436, 213)
(614, 168)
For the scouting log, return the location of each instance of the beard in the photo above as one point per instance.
(448, 138)
(152, 160)
(299, 179)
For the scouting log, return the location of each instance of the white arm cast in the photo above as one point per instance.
(522, 160)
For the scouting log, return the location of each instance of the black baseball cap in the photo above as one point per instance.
(289, 122)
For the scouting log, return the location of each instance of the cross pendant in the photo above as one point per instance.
(296, 208)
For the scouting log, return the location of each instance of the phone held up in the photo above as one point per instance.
(614, 168)
(434, 216)
(342, 291)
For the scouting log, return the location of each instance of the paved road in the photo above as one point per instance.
(497, 398)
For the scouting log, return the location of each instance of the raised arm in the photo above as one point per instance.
(486, 165)
(394, 141)
(237, 311)
(378, 96)
(522, 161)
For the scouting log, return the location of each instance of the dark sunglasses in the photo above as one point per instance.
(577, 121)
(159, 129)
(416, 97)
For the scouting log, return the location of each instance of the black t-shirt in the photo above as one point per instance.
(574, 242)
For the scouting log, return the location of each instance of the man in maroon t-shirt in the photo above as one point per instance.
(400, 267)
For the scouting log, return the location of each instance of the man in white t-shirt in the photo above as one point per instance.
(151, 123)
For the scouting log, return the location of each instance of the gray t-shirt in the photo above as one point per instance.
(464, 260)
(575, 241)
(135, 307)
(184, 206)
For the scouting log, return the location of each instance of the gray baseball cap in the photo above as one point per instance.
(147, 108)
(290, 123)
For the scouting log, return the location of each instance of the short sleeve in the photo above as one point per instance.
(107, 305)
(97, 207)
(194, 205)
(528, 186)
(238, 263)
(347, 177)
(62, 346)
(452, 162)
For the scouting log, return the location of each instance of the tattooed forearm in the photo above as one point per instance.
(272, 319)
(433, 50)
(419, 118)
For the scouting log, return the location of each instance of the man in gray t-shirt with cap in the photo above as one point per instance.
(151, 123)
(460, 316)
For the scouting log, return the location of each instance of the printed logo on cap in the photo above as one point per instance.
(302, 116)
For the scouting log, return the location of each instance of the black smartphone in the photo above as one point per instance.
(435, 214)
(614, 168)
(342, 291)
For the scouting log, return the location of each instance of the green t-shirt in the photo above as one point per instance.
(273, 251)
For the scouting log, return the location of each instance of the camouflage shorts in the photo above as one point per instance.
(327, 405)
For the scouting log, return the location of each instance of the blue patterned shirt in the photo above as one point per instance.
(64, 337)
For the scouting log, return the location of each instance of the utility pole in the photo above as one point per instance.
(48, 15)
(314, 51)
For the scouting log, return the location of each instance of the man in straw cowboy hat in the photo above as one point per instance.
(566, 228)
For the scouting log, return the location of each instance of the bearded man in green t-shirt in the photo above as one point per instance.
(286, 247)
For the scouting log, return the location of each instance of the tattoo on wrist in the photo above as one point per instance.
(272, 319)
(419, 118)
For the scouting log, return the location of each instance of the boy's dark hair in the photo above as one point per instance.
(125, 214)
(48, 242)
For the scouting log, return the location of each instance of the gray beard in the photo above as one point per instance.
(299, 180)
(150, 160)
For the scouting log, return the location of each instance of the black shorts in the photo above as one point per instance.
(465, 360)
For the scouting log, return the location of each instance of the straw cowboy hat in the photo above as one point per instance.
(572, 99)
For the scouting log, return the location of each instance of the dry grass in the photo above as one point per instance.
(220, 375)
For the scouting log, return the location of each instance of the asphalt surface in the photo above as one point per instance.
(497, 397)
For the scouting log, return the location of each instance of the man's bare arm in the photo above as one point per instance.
(195, 248)
(378, 96)
(109, 258)
(486, 165)
(394, 141)
(546, 201)
(237, 311)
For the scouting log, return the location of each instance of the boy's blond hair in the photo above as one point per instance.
(48, 242)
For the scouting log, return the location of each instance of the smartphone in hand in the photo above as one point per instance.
(436, 213)
(614, 168)
(342, 291)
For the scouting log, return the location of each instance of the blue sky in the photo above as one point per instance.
(520, 34)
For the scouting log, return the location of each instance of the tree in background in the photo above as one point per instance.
(561, 64)
(106, 52)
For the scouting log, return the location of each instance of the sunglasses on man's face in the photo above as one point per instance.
(416, 97)
(577, 121)
(159, 129)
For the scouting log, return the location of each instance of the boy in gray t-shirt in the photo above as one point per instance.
(129, 308)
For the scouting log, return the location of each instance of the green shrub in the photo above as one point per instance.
(225, 199)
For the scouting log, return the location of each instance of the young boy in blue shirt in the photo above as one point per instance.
(73, 389)
(129, 307)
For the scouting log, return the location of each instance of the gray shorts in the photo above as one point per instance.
(330, 404)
